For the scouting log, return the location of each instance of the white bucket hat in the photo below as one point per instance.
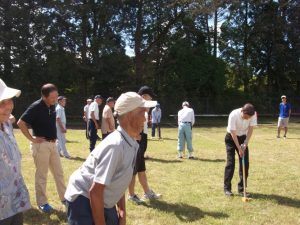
(7, 92)
(129, 101)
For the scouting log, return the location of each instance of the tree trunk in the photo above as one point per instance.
(215, 32)
(138, 43)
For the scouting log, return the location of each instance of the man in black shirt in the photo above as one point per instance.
(41, 116)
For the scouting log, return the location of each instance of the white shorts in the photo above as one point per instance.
(283, 122)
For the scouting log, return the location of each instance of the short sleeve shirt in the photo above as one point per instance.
(94, 107)
(111, 164)
(41, 118)
(107, 114)
(14, 196)
(238, 124)
(186, 114)
(60, 113)
(86, 111)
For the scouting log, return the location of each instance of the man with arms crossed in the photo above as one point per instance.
(284, 116)
(99, 184)
(241, 122)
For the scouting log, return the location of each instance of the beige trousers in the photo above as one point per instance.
(45, 155)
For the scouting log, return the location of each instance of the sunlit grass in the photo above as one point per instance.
(193, 189)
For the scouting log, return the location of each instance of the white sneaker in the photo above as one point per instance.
(151, 195)
(135, 199)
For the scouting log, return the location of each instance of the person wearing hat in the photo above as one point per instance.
(240, 127)
(140, 166)
(186, 119)
(61, 127)
(108, 120)
(95, 193)
(155, 120)
(94, 121)
(41, 116)
(86, 116)
(285, 110)
(14, 196)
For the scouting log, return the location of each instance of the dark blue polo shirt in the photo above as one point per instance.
(42, 119)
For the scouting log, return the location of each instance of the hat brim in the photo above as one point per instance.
(148, 104)
(9, 93)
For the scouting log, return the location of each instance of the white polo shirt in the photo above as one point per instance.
(111, 164)
(237, 123)
(186, 114)
(86, 111)
(94, 107)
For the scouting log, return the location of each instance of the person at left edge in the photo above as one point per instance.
(99, 184)
(14, 197)
(41, 116)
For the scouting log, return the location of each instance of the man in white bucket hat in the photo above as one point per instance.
(99, 184)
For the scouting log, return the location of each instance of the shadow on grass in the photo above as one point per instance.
(71, 141)
(163, 160)
(169, 139)
(36, 217)
(210, 160)
(281, 200)
(78, 159)
(184, 212)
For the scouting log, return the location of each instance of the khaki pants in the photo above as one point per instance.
(46, 156)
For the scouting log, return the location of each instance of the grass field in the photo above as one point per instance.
(193, 189)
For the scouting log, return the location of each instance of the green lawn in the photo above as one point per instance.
(193, 189)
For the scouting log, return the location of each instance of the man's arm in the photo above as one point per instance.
(249, 134)
(236, 142)
(122, 211)
(110, 125)
(23, 127)
(61, 126)
(94, 119)
(97, 203)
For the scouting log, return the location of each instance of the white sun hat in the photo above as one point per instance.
(129, 101)
(7, 92)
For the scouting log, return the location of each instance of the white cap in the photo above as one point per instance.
(129, 101)
(283, 96)
(185, 104)
(7, 92)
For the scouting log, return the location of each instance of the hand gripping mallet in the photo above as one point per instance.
(245, 198)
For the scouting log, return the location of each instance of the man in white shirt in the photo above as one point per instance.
(155, 120)
(95, 193)
(186, 119)
(94, 120)
(61, 127)
(86, 116)
(241, 122)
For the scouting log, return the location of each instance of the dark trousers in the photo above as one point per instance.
(13, 220)
(229, 169)
(154, 126)
(79, 212)
(86, 129)
(105, 135)
(92, 135)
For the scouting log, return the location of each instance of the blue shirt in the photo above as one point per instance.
(156, 115)
(284, 110)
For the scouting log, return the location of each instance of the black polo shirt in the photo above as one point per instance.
(42, 119)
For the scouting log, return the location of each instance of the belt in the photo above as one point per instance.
(185, 122)
(51, 140)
